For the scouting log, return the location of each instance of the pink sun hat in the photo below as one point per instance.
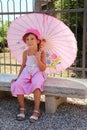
(33, 31)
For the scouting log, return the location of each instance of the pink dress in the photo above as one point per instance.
(23, 85)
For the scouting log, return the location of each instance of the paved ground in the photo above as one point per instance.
(69, 116)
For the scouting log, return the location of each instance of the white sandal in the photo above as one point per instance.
(33, 118)
(21, 116)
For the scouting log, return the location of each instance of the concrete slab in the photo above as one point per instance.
(66, 87)
(56, 90)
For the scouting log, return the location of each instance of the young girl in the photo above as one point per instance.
(31, 75)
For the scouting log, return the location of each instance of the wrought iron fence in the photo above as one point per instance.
(73, 13)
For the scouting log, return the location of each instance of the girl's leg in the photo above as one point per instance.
(21, 101)
(37, 96)
(21, 115)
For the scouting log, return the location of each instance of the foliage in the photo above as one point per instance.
(73, 19)
(3, 34)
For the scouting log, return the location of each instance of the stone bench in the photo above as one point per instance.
(56, 90)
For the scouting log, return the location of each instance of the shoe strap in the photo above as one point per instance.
(34, 118)
(22, 109)
(36, 111)
(21, 115)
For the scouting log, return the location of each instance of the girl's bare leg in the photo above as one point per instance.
(37, 96)
(21, 102)
(21, 115)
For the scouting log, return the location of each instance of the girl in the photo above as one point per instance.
(31, 76)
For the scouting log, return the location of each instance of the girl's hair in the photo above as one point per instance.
(38, 45)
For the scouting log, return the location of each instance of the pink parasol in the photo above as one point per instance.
(60, 43)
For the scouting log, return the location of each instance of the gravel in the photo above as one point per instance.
(69, 116)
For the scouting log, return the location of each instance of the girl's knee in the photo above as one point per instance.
(37, 90)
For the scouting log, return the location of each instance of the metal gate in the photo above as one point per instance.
(72, 12)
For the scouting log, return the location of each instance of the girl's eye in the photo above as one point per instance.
(32, 38)
(27, 39)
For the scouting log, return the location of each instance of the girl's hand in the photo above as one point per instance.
(38, 55)
(13, 80)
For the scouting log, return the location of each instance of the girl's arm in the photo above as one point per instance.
(23, 62)
(22, 66)
(41, 58)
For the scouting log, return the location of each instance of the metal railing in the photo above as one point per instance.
(11, 9)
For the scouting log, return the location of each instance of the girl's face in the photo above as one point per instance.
(31, 41)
